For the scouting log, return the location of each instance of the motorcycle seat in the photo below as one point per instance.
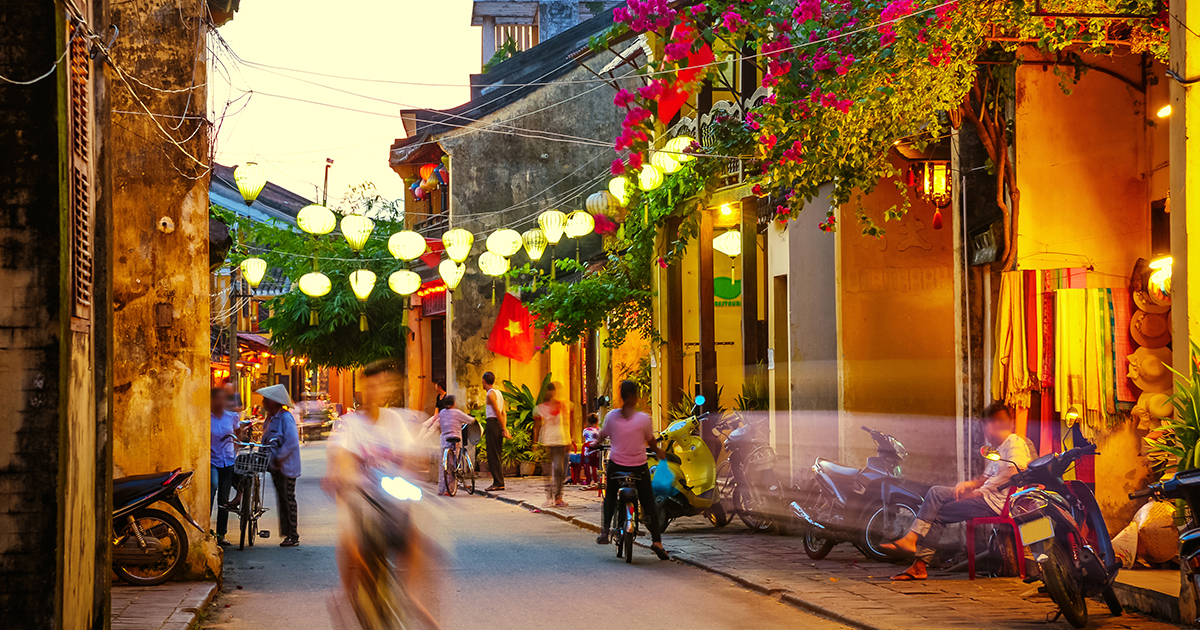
(128, 489)
(835, 469)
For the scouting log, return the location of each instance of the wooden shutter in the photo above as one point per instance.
(81, 172)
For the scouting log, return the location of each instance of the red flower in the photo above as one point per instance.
(618, 167)
(635, 161)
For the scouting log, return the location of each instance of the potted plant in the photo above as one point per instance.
(1176, 442)
(516, 451)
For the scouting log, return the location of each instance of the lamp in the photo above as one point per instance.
(458, 244)
(677, 147)
(504, 243)
(406, 245)
(357, 229)
(619, 187)
(404, 282)
(535, 243)
(493, 264)
(254, 269)
(428, 170)
(579, 224)
(250, 180)
(729, 243)
(649, 177)
(552, 223)
(602, 202)
(452, 273)
(665, 161)
(314, 284)
(934, 182)
(316, 219)
(362, 282)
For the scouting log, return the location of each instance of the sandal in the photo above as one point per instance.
(906, 577)
(660, 551)
(602, 539)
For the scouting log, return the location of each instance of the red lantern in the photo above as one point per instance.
(427, 170)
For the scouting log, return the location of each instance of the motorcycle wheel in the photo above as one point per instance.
(169, 531)
(716, 515)
(815, 545)
(747, 510)
(872, 532)
(1114, 604)
(1063, 587)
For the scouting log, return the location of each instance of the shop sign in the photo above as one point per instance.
(727, 291)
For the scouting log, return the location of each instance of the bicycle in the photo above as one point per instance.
(457, 468)
(250, 466)
(628, 514)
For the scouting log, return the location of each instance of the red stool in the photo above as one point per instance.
(1003, 519)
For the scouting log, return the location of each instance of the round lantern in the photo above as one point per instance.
(315, 284)
(458, 244)
(535, 243)
(619, 187)
(665, 161)
(729, 243)
(579, 224)
(362, 282)
(452, 273)
(430, 184)
(404, 282)
(552, 223)
(649, 177)
(676, 147)
(406, 245)
(316, 219)
(418, 192)
(492, 264)
(253, 269)
(427, 170)
(357, 229)
(602, 202)
(504, 242)
(250, 180)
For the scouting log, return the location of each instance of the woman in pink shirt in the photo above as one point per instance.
(630, 434)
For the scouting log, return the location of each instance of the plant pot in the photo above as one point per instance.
(526, 468)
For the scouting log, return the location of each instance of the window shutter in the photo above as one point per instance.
(80, 171)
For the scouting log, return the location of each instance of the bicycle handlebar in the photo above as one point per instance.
(1141, 493)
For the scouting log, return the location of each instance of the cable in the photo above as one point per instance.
(53, 67)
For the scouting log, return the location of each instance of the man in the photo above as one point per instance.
(440, 402)
(281, 437)
(976, 498)
(496, 428)
(221, 455)
(630, 433)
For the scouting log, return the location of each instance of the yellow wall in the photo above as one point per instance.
(728, 319)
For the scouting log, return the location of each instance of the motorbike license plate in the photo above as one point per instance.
(1037, 530)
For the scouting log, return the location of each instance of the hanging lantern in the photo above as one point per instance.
(729, 243)
(452, 273)
(406, 245)
(619, 187)
(357, 229)
(430, 184)
(404, 282)
(579, 224)
(427, 170)
(677, 146)
(253, 269)
(362, 282)
(315, 284)
(418, 192)
(552, 223)
(492, 264)
(250, 180)
(649, 177)
(504, 242)
(535, 243)
(933, 181)
(602, 202)
(665, 161)
(458, 244)
(316, 220)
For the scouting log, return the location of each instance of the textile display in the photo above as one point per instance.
(1011, 380)
(1127, 394)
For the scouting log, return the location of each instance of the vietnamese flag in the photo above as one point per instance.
(512, 334)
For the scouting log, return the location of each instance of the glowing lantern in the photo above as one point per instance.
(535, 243)
(357, 229)
(649, 177)
(619, 187)
(406, 245)
(451, 273)
(579, 224)
(254, 269)
(934, 182)
(492, 264)
(602, 202)
(665, 161)
(315, 284)
(552, 223)
(676, 147)
(404, 282)
(427, 170)
(504, 242)
(458, 244)
(729, 243)
(362, 282)
(316, 220)
(250, 180)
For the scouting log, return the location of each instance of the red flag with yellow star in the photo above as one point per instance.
(512, 334)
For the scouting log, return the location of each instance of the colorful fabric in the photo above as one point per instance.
(1010, 373)
(1123, 347)
(1070, 349)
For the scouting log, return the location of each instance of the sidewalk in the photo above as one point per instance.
(171, 606)
(845, 586)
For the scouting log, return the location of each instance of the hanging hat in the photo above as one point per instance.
(1150, 330)
(277, 393)
(1145, 302)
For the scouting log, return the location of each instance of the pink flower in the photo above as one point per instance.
(822, 62)
(604, 225)
(807, 10)
(940, 55)
(698, 9)
(635, 161)
(677, 50)
(732, 20)
(618, 167)
(623, 98)
(844, 65)
(652, 91)
(620, 14)
(662, 262)
(757, 190)
(768, 141)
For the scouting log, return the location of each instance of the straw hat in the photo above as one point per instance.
(1150, 330)
(1145, 302)
(277, 393)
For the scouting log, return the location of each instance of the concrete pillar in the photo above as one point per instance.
(489, 37)
(161, 280)
(1185, 188)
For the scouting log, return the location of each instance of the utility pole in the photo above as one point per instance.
(325, 189)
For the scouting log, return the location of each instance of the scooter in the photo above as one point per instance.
(686, 483)
(149, 545)
(1185, 486)
(1060, 522)
(865, 507)
(757, 494)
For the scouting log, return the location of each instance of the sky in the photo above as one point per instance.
(390, 40)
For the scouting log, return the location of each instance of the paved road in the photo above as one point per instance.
(506, 568)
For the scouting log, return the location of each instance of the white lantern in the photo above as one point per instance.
(315, 284)
(729, 243)
(649, 177)
(452, 273)
(406, 245)
(619, 187)
(677, 145)
(492, 264)
(357, 229)
(254, 269)
(535, 243)
(362, 282)
(458, 244)
(316, 220)
(504, 242)
(552, 223)
(665, 161)
(602, 202)
(250, 180)
(404, 282)
(579, 224)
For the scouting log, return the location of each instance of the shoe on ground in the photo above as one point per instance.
(494, 489)
(602, 539)
(221, 542)
(290, 542)
(561, 504)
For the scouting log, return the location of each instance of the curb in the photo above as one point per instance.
(796, 601)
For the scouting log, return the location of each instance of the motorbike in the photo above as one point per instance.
(866, 507)
(686, 485)
(1060, 523)
(1183, 486)
(756, 494)
(149, 545)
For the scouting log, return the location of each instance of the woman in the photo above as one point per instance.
(283, 442)
(630, 433)
(554, 435)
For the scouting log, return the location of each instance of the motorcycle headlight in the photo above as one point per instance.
(1026, 504)
(901, 452)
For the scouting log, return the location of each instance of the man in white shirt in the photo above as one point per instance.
(977, 498)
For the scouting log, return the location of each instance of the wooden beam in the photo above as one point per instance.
(749, 271)
(706, 373)
(674, 355)
(502, 10)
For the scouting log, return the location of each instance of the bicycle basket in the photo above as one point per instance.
(251, 463)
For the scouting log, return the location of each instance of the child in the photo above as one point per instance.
(450, 420)
(591, 455)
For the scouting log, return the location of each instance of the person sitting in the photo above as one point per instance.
(591, 452)
(981, 497)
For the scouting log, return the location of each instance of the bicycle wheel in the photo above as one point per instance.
(449, 464)
(467, 472)
(245, 515)
(256, 508)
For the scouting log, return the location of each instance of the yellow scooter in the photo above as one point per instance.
(686, 483)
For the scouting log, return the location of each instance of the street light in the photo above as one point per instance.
(250, 180)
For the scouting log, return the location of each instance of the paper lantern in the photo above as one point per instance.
(362, 282)
(649, 177)
(729, 243)
(602, 202)
(619, 187)
(357, 229)
(406, 245)
(452, 273)
(250, 180)
(677, 145)
(552, 223)
(665, 161)
(315, 284)
(579, 224)
(492, 264)
(253, 269)
(535, 243)
(430, 184)
(504, 242)
(458, 244)
(316, 219)
(427, 170)
(404, 282)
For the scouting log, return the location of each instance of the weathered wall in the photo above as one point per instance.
(161, 283)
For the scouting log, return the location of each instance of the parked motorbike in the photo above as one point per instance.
(688, 486)
(1061, 524)
(1185, 486)
(756, 495)
(149, 545)
(865, 507)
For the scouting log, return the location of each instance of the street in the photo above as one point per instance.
(507, 568)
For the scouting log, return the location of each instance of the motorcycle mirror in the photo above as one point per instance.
(989, 453)
(699, 400)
